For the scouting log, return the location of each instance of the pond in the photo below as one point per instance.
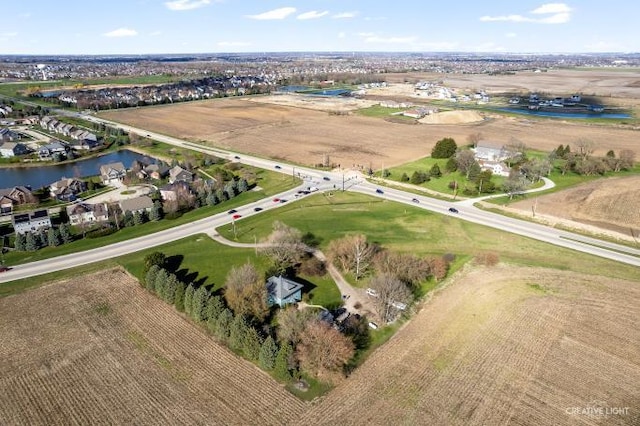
(557, 114)
(37, 177)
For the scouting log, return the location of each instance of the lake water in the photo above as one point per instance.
(37, 177)
(329, 92)
(578, 115)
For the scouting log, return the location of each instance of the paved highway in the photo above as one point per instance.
(351, 181)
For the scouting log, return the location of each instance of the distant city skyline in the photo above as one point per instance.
(97, 27)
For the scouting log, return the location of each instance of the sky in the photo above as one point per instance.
(95, 27)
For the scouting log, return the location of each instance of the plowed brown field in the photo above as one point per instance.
(505, 345)
(100, 350)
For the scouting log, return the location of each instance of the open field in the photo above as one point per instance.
(98, 349)
(612, 204)
(506, 345)
(300, 129)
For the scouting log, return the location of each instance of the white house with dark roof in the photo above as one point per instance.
(83, 213)
(112, 173)
(31, 221)
(282, 291)
(12, 149)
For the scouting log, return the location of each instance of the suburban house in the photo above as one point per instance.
(137, 204)
(282, 291)
(11, 197)
(112, 173)
(8, 135)
(31, 221)
(13, 149)
(491, 156)
(155, 171)
(490, 151)
(171, 191)
(497, 168)
(50, 149)
(67, 189)
(178, 174)
(82, 213)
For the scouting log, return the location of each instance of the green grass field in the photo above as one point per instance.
(413, 230)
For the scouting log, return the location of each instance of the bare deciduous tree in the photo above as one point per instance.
(391, 292)
(474, 138)
(292, 322)
(408, 268)
(465, 159)
(353, 253)
(627, 159)
(284, 246)
(585, 147)
(246, 292)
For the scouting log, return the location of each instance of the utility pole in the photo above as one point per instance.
(342, 181)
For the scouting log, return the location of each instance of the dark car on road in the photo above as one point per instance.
(257, 209)
(453, 210)
(415, 200)
(326, 178)
(232, 211)
(4, 268)
(379, 191)
(278, 167)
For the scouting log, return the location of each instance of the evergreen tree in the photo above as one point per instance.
(137, 218)
(31, 243)
(160, 282)
(237, 333)
(404, 178)
(243, 185)
(223, 324)
(281, 366)
(199, 304)
(212, 200)
(20, 242)
(156, 211)
(268, 353)
(444, 148)
(251, 344)
(170, 289)
(65, 233)
(128, 219)
(53, 237)
(221, 196)
(150, 277)
(178, 299)
(451, 166)
(188, 299)
(435, 171)
(215, 306)
(230, 189)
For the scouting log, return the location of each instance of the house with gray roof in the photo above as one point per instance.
(112, 173)
(137, 204)
(12, 149)
(282, 291)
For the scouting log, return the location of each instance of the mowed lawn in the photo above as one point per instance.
(411, 229)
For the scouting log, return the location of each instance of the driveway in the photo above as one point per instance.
(117, 194)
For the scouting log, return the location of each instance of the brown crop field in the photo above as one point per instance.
(100, 350)
(302, 130)
(612, 204)
(501, 345)
(506, 345)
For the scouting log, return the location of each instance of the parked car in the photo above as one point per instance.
(373, 325)
(371, 292)
(379, 191)
(453, 210)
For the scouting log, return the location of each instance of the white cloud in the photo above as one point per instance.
(511, 35)
(341, 34)
(439, 46)
(603, 46)
(314, 14)
(344, 15)
(558, 13)
(233, 43)
(375, 18)
(552, 8)
(8, 35)
(186, 4)
(155, 33)
(121, 32)
(280, 13)
(366, 34)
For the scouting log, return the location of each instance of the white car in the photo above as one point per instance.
(371, 292)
